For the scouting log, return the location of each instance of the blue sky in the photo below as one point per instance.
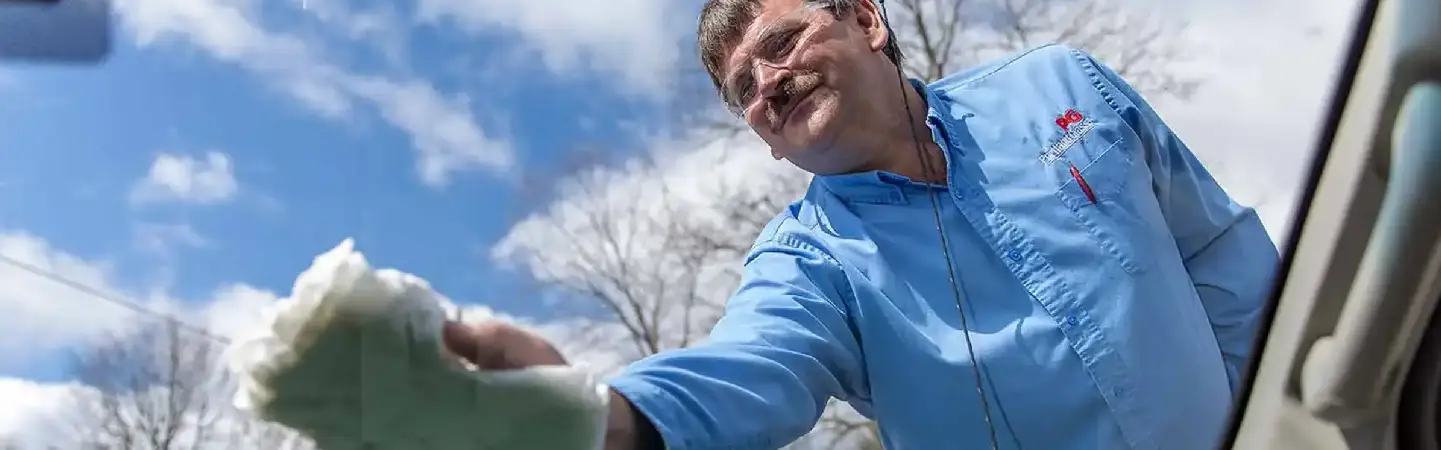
(225, 143)
(78, 139)
(76, 142)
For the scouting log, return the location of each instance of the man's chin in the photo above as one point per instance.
(813, 132)
(821, 161)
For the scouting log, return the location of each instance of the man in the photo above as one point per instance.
(1022, 255)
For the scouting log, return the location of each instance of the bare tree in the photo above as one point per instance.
(656, 256)
(660, 269)
(163, 388)
(257, 434)
(943, 37)
(659, 262)
(151, 390)
(657, 285)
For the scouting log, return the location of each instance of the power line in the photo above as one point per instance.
(117, 300)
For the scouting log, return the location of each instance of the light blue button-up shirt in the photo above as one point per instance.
(1109, 308)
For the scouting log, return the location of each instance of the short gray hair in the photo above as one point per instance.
(723, 21)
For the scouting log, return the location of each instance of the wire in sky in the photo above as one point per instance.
(117, 300)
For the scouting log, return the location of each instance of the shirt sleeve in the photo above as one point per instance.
(1231, 259)
(783, 348)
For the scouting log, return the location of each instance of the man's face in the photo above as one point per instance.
(799, 78)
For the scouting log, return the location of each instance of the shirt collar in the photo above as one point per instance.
(880, 186)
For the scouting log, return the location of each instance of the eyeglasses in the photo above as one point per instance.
(773, 48)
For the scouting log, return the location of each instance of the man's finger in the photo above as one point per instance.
(473, 344)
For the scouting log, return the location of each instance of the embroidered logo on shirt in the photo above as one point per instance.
(1075, 125)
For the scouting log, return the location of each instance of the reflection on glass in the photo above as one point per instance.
(924, 224)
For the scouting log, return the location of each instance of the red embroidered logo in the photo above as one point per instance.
(1071, 117)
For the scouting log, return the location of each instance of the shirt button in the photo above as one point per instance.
(1014, 254)
(1072, 321)
(1119, 392)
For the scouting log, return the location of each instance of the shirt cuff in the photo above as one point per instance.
(658, 406)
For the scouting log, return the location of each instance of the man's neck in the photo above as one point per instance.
(900, 153)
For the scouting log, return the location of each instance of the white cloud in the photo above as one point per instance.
(637, 41)
(640, 240)
(1256, 114)
(1271, 67)
(51, 316)
(1257, 144)
(187, 179)
(31, 409)
(234, 309)
(55, 318)
(380, 21)
(382, 25)
(685, 174)
(164, 238)
(444, 131)
(1252, 122)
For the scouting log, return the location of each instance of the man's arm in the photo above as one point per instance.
(628, 429)
(782, 349)
(1231, 259)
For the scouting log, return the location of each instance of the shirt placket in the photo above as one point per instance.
(1041, 280)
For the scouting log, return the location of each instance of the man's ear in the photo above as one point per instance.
(868, 16)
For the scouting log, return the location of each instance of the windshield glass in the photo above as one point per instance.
(589, 170)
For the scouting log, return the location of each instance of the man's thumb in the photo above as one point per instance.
(471, 343)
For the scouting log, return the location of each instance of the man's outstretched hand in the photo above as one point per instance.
(494, 345)
(338, 362)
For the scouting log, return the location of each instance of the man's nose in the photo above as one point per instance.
(770, 78)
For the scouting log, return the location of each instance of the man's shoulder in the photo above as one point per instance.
(1051, 63)
(802, 225)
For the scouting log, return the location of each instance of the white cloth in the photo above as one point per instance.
(353, 359)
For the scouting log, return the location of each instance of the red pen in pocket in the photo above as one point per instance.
(1081, 181)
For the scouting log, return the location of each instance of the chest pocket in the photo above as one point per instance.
(1095, 179)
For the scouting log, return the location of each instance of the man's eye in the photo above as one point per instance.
(781, 46)
(788, 45)
(745, 93)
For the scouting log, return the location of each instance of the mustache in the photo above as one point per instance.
(788, 92)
